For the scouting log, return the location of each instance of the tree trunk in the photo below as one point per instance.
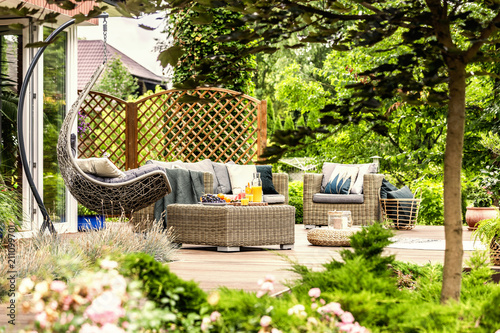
(452, 271)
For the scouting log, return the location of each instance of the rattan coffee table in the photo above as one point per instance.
(230, 227)
(331, 237)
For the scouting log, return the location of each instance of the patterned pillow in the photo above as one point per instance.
(341, 180)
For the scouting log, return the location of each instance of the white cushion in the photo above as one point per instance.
(99, 166)
(357, 188)
(273, 198)
(240, 175)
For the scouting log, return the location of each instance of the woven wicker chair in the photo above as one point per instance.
(143, 219)
(138, 189)
(316, 214)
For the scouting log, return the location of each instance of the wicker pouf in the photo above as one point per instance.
(331, 237)
(229, 227)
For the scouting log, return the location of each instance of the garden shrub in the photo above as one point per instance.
(432, 207)
(162, 286)
(295, 199)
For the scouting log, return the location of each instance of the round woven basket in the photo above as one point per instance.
(331, 237)
(495, 251)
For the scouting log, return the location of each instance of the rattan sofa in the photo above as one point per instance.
(143, 218)
(365, 213)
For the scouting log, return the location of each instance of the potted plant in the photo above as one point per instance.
(488, 232)
(482, 205)
(89, 220)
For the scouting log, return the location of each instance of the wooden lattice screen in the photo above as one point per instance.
(227, 126)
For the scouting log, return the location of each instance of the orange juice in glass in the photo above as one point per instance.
(257, 193)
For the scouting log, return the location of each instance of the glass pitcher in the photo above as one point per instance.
(257, 187)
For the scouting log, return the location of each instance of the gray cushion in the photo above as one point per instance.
(329, 167)
(222, 178)
(338, 198)
(273, 198)
(203, 166)
(129, 174)
(167, 165)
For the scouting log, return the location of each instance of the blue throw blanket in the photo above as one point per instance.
(187, 188)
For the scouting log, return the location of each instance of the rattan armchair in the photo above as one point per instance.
(316, 214)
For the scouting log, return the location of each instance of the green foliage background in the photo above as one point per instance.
(200, 42)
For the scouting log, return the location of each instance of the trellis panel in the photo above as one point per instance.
(226, 126)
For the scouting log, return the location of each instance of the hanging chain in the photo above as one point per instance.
(105, 37)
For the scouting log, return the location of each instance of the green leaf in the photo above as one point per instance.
(171, 55)
(194, 99)
(67, 5)
(202, 18)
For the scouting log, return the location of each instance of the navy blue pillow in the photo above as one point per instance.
(404, 208)
(338, 186)
(386, 188)
(266, 175)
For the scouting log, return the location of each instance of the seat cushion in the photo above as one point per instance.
(129, 174)
(338, 198)
(273, 198)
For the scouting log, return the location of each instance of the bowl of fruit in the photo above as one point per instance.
(213, 200)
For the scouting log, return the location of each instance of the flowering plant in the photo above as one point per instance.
(102, 301)
(83, 125)
(316, 315)
(490, 180)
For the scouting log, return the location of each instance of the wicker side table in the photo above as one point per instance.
(331, 237)
(230, 227)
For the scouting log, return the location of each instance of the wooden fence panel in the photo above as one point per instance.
(213, 123)
(105, 129)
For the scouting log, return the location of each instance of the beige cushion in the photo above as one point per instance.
(99, 166)
(240, 175)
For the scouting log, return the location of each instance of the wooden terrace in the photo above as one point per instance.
(242, 270)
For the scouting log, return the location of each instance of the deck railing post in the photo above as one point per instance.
(131, 158)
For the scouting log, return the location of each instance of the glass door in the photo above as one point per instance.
(54, 110)
(11, 73)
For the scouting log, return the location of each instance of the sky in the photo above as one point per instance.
(125, 35)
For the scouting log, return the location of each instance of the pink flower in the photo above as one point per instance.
(105, 309)
(351, 328)
(87, 328)
(314, 292)
(347, 317)
(111, 328)
(265, 287)
(332, 307)
(275, 330)
(58, 286)
(41, 318)
(214, 316)
(205, 324)
(265, 321)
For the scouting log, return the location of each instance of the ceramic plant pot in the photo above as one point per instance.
(476, 214)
